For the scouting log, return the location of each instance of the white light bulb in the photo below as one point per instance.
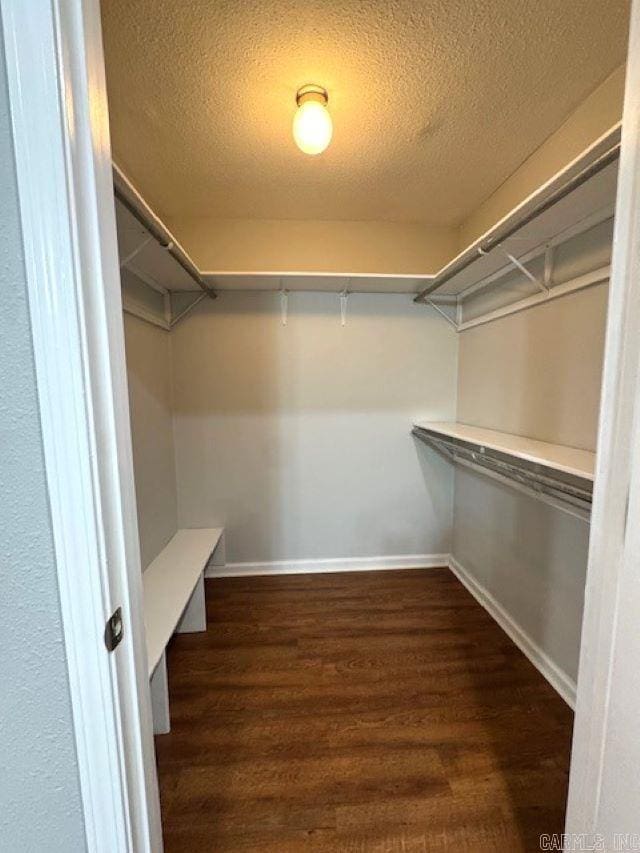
(312, 125)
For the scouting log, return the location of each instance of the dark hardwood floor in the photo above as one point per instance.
(377, 711)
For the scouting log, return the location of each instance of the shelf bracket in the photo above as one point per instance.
(520, 266)
(145, 278)
(444, 314)
(175, 318)
(284, 304)
(548, 266)
(344, 296)
(137, 250)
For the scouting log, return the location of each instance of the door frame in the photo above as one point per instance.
(59, 118)
(602, 745)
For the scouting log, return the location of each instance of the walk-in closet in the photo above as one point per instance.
(365, 252)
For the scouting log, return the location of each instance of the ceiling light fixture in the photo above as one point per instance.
(312, 125)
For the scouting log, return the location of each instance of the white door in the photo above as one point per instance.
(60, 127)
(604, 795)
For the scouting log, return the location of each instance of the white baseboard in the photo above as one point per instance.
(557, 678)
(340, 564)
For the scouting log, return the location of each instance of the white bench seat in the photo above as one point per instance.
(173, 589)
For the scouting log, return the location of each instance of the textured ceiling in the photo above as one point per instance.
(434, 103)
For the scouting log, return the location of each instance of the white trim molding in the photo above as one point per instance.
(57, 98)
(339, 564)
(557, 678)
(52, 281)
(604, 794)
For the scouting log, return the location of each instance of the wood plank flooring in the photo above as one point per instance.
(373, 711)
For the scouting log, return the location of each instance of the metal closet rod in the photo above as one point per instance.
(512, 471)
(567, 494)
(127, 196)
(504, 232)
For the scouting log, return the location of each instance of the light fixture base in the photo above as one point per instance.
(311, 92)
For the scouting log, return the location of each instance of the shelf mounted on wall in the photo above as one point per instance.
(512, 266)
(558, 475)
(160, 282)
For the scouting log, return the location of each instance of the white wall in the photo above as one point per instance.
(272, 245)
(40, 806)
(296, 438)
(530, 557)
(535, 373)
(149, 377)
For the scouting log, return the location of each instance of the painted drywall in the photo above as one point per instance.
(529, 556)
(262, 245)
(39, 788)
(296, 438)
(149, 378)
(593, 117)
(535, 373)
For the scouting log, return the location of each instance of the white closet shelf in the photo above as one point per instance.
(558, 457)
(161, 284)
(559, 475)
(574, 200)
(317, 281)
(151, 252)
(148, 248)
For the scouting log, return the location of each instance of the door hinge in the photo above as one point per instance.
(114, 629)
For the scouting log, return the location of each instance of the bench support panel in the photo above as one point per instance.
(194, 617)
(160, 698)
(218, 559)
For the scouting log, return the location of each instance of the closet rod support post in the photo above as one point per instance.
(344, 296)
